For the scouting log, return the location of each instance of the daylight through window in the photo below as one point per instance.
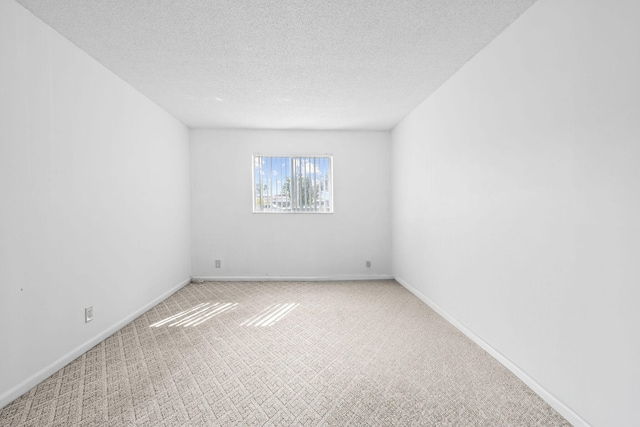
(292, 184)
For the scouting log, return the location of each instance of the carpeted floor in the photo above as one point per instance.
(284, 353)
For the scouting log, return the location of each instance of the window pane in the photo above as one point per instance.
(292, 184)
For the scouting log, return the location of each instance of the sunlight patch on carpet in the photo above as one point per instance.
(196, 315)
(270, 315)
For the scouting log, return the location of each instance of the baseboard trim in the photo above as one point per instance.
(548, 397)
(288, 278)
(35, 379)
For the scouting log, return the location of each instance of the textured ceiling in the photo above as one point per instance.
(349, 64)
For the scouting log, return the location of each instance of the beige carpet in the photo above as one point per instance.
(284, 353)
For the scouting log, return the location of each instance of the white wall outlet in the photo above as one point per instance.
(218, 263)
(368, 264)
(88, 314)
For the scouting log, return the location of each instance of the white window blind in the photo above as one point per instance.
(292, 184)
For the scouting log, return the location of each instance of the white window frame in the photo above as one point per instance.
(281, 203)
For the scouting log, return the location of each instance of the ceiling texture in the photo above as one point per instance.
(288, 64)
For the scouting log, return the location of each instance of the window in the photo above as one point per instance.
(292, 184)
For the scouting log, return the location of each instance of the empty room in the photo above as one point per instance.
(366, 213)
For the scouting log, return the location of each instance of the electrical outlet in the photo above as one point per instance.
(88, 314)
(368, 264)
(218, 263)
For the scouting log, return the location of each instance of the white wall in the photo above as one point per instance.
(516, 202)
(94, 193)
(296, 245)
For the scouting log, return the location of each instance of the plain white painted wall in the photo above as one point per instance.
(296, 245)
(94, 193)
(516, 202)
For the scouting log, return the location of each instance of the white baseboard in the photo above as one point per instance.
(553, 401)
(35, 379)
(288, 278)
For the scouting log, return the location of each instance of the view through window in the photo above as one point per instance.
(292, 184)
